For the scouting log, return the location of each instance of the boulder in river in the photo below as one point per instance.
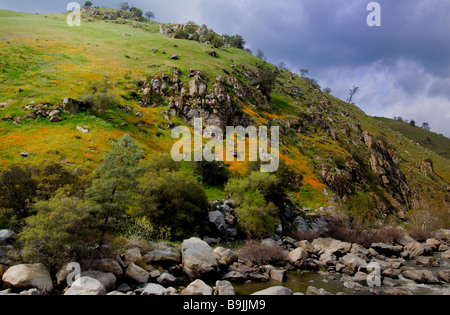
(199, 260)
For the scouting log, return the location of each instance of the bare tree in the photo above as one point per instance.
(327, 90)
(353, 91)
(124, 6)
(304, 73)
(260, 54)
(150, 15)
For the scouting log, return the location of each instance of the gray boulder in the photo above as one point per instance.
(107, 279)
(354, 263)
(421, 276)
(332, 246)
(427, 262)
(297, 257)
(29, 276)
(387, 249)
(416, 249)
(110, 266)
(7, 237)
(217, 219)
(198, 287)
(134, 255)
(162, 256)
(444, 275)
(154, 289)
(70, 105)
(166, 279)
(199, 260)
(275, 291)
(86, 286)
(224, 288)
(137, 274)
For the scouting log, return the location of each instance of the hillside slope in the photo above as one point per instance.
(430, 140)
(342, 154)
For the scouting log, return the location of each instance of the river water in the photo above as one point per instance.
(299, 282)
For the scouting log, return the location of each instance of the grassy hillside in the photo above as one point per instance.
(43, 60)
(430, 140)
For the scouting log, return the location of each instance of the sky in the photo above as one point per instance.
(401, 67)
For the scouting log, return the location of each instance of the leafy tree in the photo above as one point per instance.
(288, 179)
(256, 217)
(21, 185)
(327, 90)
(88, 4)
(265, 80)
(137, 13)
(426, 126)
(160, 162)
(117, 177)
(17, 190)
(172, 200)
(62, 230)
(124, 6)
(412, 122)
(237, 41)
(217, 42)
(254, 196)
(213, 173)
(150, 15)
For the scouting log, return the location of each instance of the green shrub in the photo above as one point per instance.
(22, 184)
(256, 196)
(261, 255)
(62, 230)
(143, 230)
(99, 97)
(213, 173)
(257, 218)
(160, 162)
(172, 200)
(265, 80)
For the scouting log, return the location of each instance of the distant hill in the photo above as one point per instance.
(430, 140)
(157, 81)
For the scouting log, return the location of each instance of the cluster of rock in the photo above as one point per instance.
(193, 99)
(164, 269)
(171, 29)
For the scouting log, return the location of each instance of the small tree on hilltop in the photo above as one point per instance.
(88, 4)
(150, 15)
(137, 13)
(124, 6)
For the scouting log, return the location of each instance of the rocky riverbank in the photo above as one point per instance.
(187, 269)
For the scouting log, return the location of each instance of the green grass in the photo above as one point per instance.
(430, 140)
